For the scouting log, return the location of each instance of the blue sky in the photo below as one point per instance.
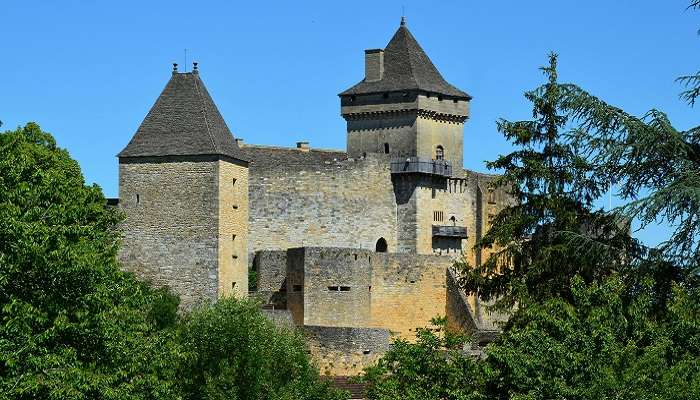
(88, 71)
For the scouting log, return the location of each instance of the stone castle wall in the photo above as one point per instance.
(343, 287)
(346, 351)
(171, 234)
(186, 225)
(408, 290)
(233, 229)
(318, 198)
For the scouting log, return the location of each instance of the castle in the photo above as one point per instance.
(352, 246)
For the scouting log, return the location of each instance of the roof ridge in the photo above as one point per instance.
(204, 113)
(404, 48)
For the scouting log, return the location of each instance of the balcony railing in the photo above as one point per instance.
(450, 231)
(416, 165)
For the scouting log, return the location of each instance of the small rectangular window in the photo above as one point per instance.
(296, 288)
(333, 288)
(233, 237)
(345, 288)
(233, 182)
(233, 285)
(235, 257)
(138, 198)
(235, 207)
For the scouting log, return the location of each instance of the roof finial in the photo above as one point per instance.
(403, 20)
(194, 67)
(174, 68)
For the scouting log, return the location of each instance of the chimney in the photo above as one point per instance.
(303, 146)
(374, 65)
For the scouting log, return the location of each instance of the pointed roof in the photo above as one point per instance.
(184, 121)
(407, 67)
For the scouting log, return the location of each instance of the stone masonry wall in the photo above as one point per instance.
(359, 288)
(318, 198)
(233, 229)
(271, 269)
(171, 233)
(408, 290)
(346, 351)
(337, 285)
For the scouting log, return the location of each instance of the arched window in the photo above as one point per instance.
(381, 246)
(439, 153)
(386, 148)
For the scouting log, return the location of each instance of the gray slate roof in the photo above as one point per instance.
(271, 158)
(184, 121)
(407, 67)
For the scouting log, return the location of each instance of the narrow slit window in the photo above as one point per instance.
(138, 198)
(333, 288)
(386, 148)
(233, 182)
(345, 288)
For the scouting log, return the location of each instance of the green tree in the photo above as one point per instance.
(598, 347)
(235, 352)
(691, 82)
(72, 325)
(554, 189)
(431, 368)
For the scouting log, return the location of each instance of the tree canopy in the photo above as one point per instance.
(74, 326)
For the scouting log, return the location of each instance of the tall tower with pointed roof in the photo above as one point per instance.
(183, 185)
(404, 107)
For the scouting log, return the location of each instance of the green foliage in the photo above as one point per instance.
(234, 352)
(74, 326)
(554, 189)
(252, 280)
(594, 315)
(600, 345)
(656, 167)
(597, 347)
(71, 324)
(431, 368)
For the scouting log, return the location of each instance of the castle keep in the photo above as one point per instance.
(352, 246)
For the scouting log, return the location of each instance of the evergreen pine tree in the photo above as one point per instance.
(534, 256)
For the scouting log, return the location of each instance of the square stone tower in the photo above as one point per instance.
(405, 109)
(183, 185)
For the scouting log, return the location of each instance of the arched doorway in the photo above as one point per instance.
(381, 246)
